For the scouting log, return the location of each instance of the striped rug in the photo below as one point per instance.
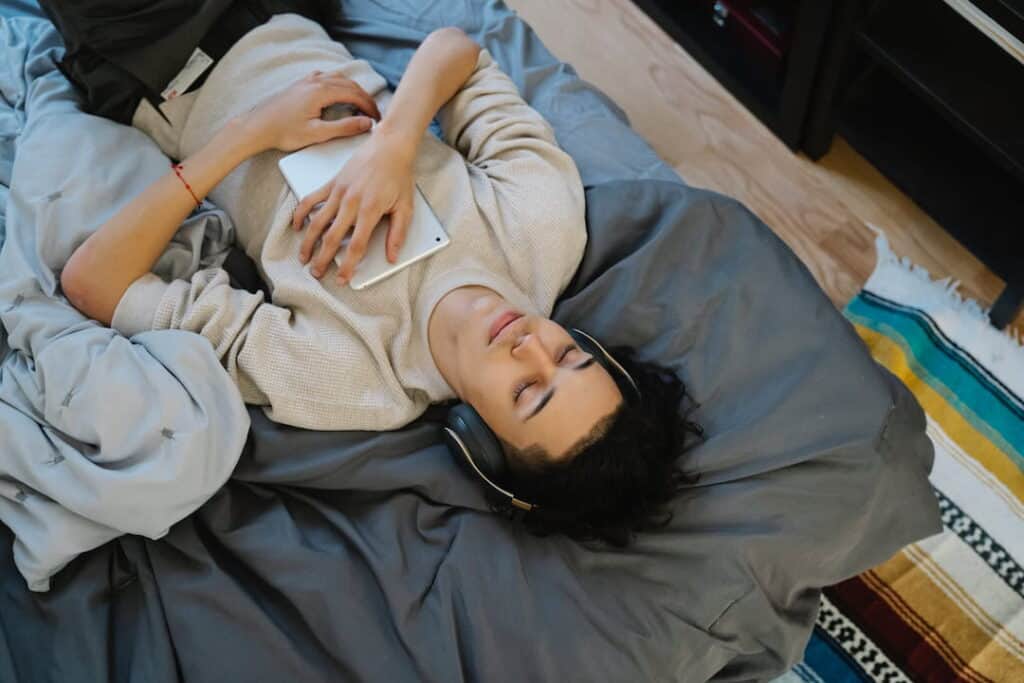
(950, 607)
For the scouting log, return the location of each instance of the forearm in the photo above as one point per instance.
(440, 66)
(130, 243)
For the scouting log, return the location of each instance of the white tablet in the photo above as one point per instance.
(310, 168)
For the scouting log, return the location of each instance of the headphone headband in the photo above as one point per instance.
(608, 360)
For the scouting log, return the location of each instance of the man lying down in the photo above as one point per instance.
(470, 322)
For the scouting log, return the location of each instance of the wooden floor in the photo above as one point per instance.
(820, 209)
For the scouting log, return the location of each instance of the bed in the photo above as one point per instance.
(359, 556)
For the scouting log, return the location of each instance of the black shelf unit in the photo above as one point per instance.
(1009, 14)
(938, 108)
(970, 91)
(778, 97)
(875, 122)
(918, 90)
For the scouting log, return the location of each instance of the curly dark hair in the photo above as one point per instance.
(623, 474)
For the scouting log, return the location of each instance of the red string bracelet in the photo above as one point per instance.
(178, 168)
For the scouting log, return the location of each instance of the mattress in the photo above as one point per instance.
(359, 556)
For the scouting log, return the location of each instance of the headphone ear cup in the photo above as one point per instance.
(480, 442)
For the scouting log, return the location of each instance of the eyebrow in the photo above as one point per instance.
(551, 392)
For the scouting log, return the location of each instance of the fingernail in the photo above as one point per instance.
(367, 124)
(316, 273)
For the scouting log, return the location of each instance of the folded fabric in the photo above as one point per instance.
(101, 436)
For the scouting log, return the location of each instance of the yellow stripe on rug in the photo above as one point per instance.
(968, 648)
(998, 463)
(989, 624)
(938, 643)
(974, 576)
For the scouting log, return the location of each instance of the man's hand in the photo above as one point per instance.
(376, 182)
(290, 119)
(378, 179)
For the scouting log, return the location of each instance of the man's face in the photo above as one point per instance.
(529, 381)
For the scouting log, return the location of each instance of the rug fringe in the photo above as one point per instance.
(945, 291)
(962, 319)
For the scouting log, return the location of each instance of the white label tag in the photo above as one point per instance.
(194, 68)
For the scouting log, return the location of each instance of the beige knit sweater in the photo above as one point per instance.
(326, 357)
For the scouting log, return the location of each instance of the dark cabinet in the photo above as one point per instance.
(930, 92)
(765, 52)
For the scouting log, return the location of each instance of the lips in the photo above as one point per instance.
(503, 321)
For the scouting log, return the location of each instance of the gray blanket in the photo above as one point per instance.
(352, 556)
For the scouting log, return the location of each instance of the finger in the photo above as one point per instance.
(398, 228)
(330, 245)
(342, 128)
(368, 220)
(308, 202)
(318, 224)
(334, 92)
(368, 104)
(332, 240)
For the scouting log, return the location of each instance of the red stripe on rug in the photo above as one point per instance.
(889, 632)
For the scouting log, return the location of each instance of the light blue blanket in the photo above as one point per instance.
(101, 436)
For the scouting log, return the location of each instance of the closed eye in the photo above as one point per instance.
(587, 361)
(566, 351)
(520, 388)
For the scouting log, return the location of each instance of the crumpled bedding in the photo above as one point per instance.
(355, 556)
(101, 436)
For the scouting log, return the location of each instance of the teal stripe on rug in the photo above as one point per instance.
(830, 662)
(983, 404)
(956, 352)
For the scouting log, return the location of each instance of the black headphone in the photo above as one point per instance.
(469, 436)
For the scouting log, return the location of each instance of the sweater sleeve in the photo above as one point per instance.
(206, 304)
(521, 174)
(278, 357)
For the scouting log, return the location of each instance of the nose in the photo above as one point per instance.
(530, 349)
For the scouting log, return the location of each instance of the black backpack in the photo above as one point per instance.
(120, 52)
